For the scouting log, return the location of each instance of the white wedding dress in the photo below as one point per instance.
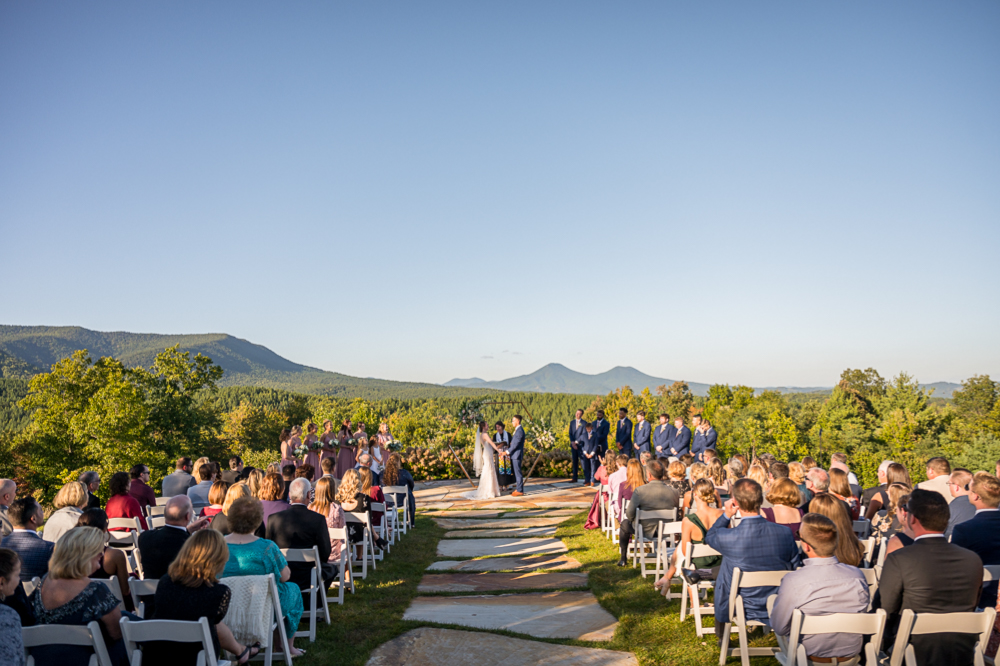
(489, 487)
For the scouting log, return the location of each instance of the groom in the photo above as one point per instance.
(516, 450)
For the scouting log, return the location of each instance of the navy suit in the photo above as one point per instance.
(661, 438)
(516, 451)
(33, 550)
(680, 443)
(703, 441)
(576, 437)
(589, 447)
(623, 436)
(601, 430)
(981, 535)
(642, 433)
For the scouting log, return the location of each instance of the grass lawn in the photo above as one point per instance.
(649, 626)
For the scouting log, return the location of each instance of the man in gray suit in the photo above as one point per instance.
(178, 482)
(654, 496)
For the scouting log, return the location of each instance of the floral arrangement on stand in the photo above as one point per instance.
(541, 435)
(470, 412)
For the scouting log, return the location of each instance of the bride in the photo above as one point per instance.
(485, 468)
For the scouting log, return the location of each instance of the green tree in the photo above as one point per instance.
(977, 401)
(251, 428)
(675, 400)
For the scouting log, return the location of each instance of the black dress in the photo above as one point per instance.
(179, 602)
(220, 523)
(356, 531)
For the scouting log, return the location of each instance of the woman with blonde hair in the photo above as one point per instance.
(220, 521)
(717, 475)
(696, 472)
(272, 489)
(841, 489)
(67, 595)
(785, 500)
(254, 479)
(113, 565)
(677, 477)
(797, 473)
(895, 473)
(70, 502)
(849, 549)
(889, 525)
(693, 529)
(905, 536)
(191, 590)
(353, 500)
(325, 504)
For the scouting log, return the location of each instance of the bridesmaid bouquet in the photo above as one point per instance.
(393, 445)
(302, 450)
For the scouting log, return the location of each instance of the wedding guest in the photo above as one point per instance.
(112, 565)
(797, 473)
(808, 462)
(287, 449)
(328, 441)
(139, 488)
(325, 505)
(298, 527)
(938, 474)
(676, 477)
(249, 555)
(841, 489)
(220, 521)
(608, 465)
(69, 503)
(931, 576)
(849, 549)
(869, 493)
(822, 586)
(734, 471)
(93, 482)
(374, 492)
(272, 489)
(254, 479)
(121, 504)
(8, 490)
(653, 496)
(365, 462)
(615, 481)
(305, 471)
(11, 645)
(235, 471)
(158, 547)
(905, 536)
(758, 473)
(817, 481)
(961, 509)
(395, 475)
(717, 475)
(894, 473)
(287, 476)
(216, 496)
(888, 525)
(178, 482)
(199, 492)
(981, 534)
(352, 500)
(694, 526)
(190, 591)
(576, 433)
(328, 467)
(347, 453)
(695, 472)
(67, 595)
(25, 515)
(785, 500)
(840, 460)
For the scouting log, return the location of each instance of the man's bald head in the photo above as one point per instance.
(178, 511)
(365, 460)
(8, 489)
(298, 491)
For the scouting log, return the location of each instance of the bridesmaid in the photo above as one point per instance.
(345, 459)
(360, 434)
(383, 437)
(294, 441)
(329, 440)
(312, 458)
(287, 450)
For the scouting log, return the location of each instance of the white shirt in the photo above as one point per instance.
(929, 536)
(978, 511)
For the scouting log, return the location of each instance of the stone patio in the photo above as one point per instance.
(471, 548)
(488, 582)
(546, 562)
(508, 532)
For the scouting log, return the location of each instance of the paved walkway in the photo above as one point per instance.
(502, 545)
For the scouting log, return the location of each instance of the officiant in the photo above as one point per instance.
(505, 472)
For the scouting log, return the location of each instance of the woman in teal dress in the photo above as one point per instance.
(249, 555)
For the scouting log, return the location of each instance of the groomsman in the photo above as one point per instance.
(680, 442)
(662, 436)
(590, 452)
(642, 432)
(577, 436)
(623, 434)
(601, 431)
(704, 438)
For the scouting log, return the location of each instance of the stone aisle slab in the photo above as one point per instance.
(574, 615)
(509, 533)
(490, 582)
(548, 513)
(440, 506)
(434, 647)
(471, 548)
(468, 524)
(546, 562)
(473, 513)
(564, 505)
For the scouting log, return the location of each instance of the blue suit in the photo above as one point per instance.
(642, 433)
(623, 436)
(753, 545)
(661, 438)
(704, 441)
(601, 430)
(680, 442)
(589, 447)
(981, 535)
(33, 551)
(516, 451)
(576, 436)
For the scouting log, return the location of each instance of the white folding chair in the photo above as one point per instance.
(66, 634)
(138, 589)
(991, 573)
(133, 563)
(367, 543)
(115, 589)
(160, 501)
(31, 585)
(156, 521)
(695, 593)
(793, 653)
(863, 528)
(124, 540)
(867, 550)
(916, 624)
(871, 577)
(738, 621)
(668, 535)
(317, 590)
(644, 546)
(401, 497)
(346, 577)
(174, 631)
(277, 628)
(381, 529)
(154, 510)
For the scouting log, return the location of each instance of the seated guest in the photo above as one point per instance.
(305, 471)
(785, 500)
(375, 492)
(254, 479)
(883, 485)
(287, 476)
(366, 461)
(817, 481)
(395, 474)
(352, 500)
(961, 508)
(615, 481)
(179, 482)
(931, 576)
(298, 527)
(235, 471)
(159, 547)
(653, 496)
(797, 474)
(888, 525)
(938, 476)
(112, 564)
(903, 537)
(8, 490)
(70, 502)
(121, 504)
(822, 586)
(11, 646)
(839, 461)
(139, 488)
(693, 529)
(753, 545)
(272, 489)
(198, 493)
(220, 521)
(840, 489)
(981, 534)
(325, 504)
(216, 496)
(249, 555)
(93, 482)
(677, 477)
(849, 548)
(894, 473)
(26, 516)
(328, 469)
(67, 595)
(190, 591)
(634, 477)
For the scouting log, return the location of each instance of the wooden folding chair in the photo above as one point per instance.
(697, 592)
(174, 631)
(793, 653)
(738, 621)
(346, 577)
(141, 588)
(916, 624)
(317, 589)
(66, 634)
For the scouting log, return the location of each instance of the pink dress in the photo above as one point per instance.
(288, 454)
(335, 518)
(345, 459)
(312, 458)
(329, 440)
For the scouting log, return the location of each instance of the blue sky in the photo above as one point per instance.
(764, 193)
